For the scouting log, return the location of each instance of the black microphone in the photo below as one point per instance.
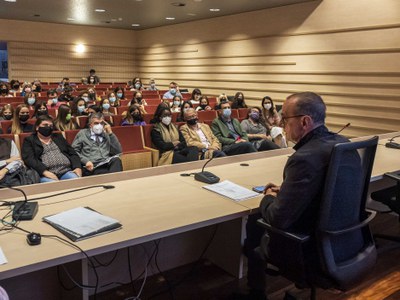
(206, 177)
(23, 210)
(343, 128)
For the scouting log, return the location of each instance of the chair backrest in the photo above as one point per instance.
(70, 135)
(117, 120)
(130, 137)
(346, 249)
(147, 134)
(5, 124)
(207, 115)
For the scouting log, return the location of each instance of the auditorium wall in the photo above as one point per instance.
(48, 51)
(347, 51)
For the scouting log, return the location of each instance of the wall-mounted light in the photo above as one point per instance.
(80, 48)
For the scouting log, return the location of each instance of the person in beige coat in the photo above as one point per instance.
(200, 135)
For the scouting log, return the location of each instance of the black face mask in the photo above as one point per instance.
(38, 88)
(46, 131)
(139, 99)
(3, 91)
(16, 86)
(203, 106)
(24, 118)
(41, 113)
(8, 117)
(192, 121)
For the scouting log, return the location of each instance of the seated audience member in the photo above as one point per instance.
(293, 206)
(64, 82)
(93, 109)
(10, 160)
(114, 100)
(4, 90)
(138, 99)
(20, 121)
(30, 100)
(66, 95)
(204, 104)
(64, 120)
(152, 85)
(170, 141)
(93, 78)
(256, 130)
(52, 97)
(158, 111)
(119, 92)
(133, 117)
(49, 154)
(137, 84)
(93, 97)
(37, 86)
(200, 135)
(40, 110)
(184, 107)
(229, 132)
(221, 98)
(273, 122)
(176, 104)
(98, 147)
(7, 112)
(196, 96)
(26, 88)
(15, 86)
(85, 96)
(238, 101)
(79, 107)
(105, 107)
(173, 91)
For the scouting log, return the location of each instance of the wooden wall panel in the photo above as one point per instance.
(352, 59)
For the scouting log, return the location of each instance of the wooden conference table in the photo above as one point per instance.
(151, 204)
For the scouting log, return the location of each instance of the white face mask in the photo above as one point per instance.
(166, 120)
(97, 129)
(268, 106)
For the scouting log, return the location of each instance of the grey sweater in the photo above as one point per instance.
(89, 150)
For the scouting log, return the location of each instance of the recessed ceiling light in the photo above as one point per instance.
(214, 9)
(113, 20)
(99, 10)
(170, 18)
(71, 19)
(135, 25)
(36, 15)
(119, 19)
(191, 14)
(197, 0)
(178, 4)
(10, 0)
(80, 48)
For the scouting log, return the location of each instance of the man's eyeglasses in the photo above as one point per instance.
(284, 119)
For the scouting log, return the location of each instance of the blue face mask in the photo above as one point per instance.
(55, 100)
(176, 103)
(112, 99)
(86, 99)
(81, 108)
(172, 91)
(227, 112)
(31, 101)
(106, 106)
(119, 95)
(137, 86)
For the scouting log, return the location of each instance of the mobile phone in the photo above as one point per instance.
(259, 189)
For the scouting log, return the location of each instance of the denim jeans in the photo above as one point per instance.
(68, 175)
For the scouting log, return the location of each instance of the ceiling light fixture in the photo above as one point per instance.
(214, 9)
(178, 4)
(170, 18)
(135, 25)
(80, 48)
(10, 0)
(191, 14)
(100, 10)
(71, 19)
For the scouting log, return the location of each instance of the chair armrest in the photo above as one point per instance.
(364, 223)
(393, 175)
(293, 236)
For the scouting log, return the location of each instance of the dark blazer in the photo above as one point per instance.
(296, 206)
(32, 150)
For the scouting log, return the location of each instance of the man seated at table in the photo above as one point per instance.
(98, 147)
(200, 135)
(229, 132)
(293, 206)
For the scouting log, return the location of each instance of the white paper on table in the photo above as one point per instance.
(231, 190)
(81, 220)
(3, 259)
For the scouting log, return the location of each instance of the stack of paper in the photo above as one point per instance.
(231, 190)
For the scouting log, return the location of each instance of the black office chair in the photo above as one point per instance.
(341, 249)
(390, 197)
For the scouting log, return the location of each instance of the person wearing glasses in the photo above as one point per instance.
(293, 205)
(229, 132)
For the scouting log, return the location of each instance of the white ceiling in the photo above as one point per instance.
(124, 13)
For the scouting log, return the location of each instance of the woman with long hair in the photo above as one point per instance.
(64, 120)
